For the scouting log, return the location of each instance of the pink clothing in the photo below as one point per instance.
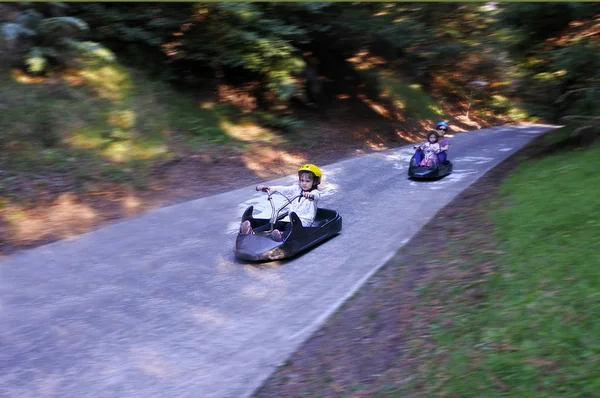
(430, 152)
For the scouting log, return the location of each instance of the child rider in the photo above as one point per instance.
(305, 207)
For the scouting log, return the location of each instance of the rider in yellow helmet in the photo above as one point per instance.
(311, 169)
(309, 177)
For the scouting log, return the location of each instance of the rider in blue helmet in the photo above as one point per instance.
(441, 128)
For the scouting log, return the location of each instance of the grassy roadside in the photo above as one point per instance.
(524, 323)
(105, 123)
(121, 116)
(84, 147)
(495, 297)
(102, 122)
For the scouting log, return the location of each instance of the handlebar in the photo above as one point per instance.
(275, 213)
(300, 195)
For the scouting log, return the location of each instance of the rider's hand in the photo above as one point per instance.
(307, 195)
(261, 187)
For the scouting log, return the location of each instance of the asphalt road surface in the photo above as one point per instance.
(158, 306)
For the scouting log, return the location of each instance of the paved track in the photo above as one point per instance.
(158, 306)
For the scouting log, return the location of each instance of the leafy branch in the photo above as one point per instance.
(43, 41)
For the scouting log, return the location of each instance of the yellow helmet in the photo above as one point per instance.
(311, 168)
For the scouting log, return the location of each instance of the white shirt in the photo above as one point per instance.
(306, 209)
(430, 149)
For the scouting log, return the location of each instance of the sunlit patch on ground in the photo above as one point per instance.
(363, 60)
(407, 136)
(69, 215)
(83, 140)
(109, 81)
(242, 97)
(210, 316)
(257, 269)
(255, 291)
(66, 217)
(416, 130)
(265, 289)
(250, 133)
(376, 145)
(225, 266)
(151, 361)
(118, 151)
(268, 283)
(263, 160)
(376, 107)
(24, 78)
(467, 121)
(131, 204)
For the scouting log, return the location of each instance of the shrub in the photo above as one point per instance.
(41, 41)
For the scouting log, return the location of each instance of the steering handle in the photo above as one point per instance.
(275, 212)
(300, 195)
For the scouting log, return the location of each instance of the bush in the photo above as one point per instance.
(39, 42)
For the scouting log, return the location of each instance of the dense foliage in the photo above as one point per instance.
(41, 36)
(556, 49)
(535, 52)
(275, 42)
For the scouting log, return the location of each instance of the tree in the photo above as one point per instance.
(43, 41)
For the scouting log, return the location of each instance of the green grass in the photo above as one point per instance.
(103, 122)
(535, 332)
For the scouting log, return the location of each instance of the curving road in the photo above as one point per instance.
(157, 306)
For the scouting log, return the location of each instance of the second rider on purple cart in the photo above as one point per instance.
(442, 129)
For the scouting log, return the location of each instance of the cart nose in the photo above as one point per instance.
(255, 247)
(421, 171)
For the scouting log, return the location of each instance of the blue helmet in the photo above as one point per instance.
(441, 124)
